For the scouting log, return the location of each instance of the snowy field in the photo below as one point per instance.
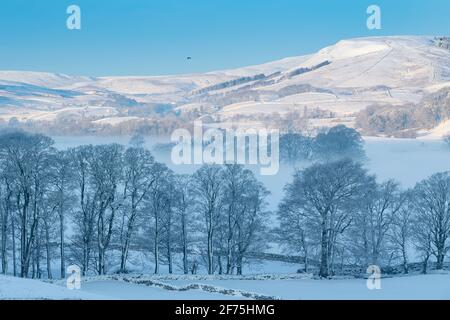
(432, 286)
(17, 288)
(26, 289)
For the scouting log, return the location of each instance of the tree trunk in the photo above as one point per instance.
(86, 252)
(61, 241)
(405, 260)
(4, 242)
(169, 255)
(239, 265)
(324, 252)
(184, 241)
(440, 259)
(156, 246)
(219, 262)
(124, 254)
(101, 261)
(48, 253)
(229, 245)
(13, 236)
(169, 243)
(425, 265)
(126, 245)
(210, 252)
(38, 253)
(156, 254)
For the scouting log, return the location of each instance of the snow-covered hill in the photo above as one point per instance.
(340, 79)
(358, 73)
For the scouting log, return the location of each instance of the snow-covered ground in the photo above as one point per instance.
(28, 289)
(17, 288)
(118, 290)
(432, 286)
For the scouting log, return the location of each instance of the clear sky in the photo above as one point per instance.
(151, 37)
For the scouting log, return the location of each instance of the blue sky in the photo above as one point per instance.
(151, 37)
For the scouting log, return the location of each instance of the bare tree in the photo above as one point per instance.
(372, 222)
(49, 229)
(183, 211)
(327, 196)
(84, 218)
(139, 177)
(158, 201)
(422, 240)
(400, 234)
(234, 189)
(6, 211)
(62, 197)
(250, 221)
(26, 156)
(293, 232)
(432, 203)
(169, 222)
(337, 143)
(208, 191)
(106, 174)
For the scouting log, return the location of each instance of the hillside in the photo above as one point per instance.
(327, 87)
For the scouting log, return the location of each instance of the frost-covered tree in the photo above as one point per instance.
(373, 220)
(421, 236)
(168, 221)
(243, 216)
(139, 177)
(208, 193)
(106, 174)
(158, 202)
(326, 196)
(84, 217)
(234, 189)
(294, 232)
(251, 222)
(26, 159)
(401, 231)
(295, 147)
(48, 230)
(98, 176)
(62, 197)
(432, 203)
(184, 215)
(6, 216)
(338, 142)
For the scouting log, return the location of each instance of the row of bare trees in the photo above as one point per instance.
(94, 205)
(97, 206)
(335, 213)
